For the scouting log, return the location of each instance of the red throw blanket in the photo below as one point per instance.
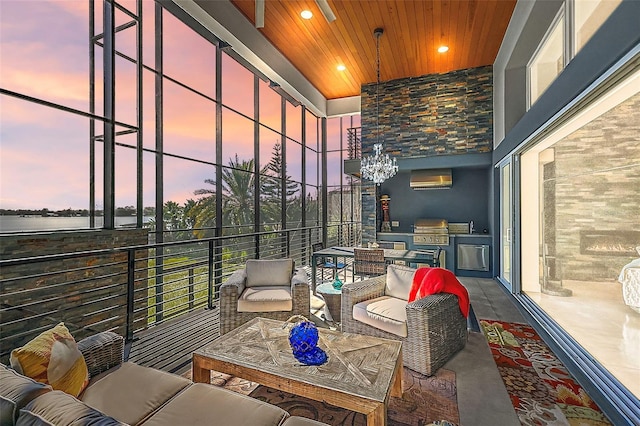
(428, 281)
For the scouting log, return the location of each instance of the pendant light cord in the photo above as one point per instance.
(378, 32)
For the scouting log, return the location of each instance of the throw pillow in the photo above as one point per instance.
(269, 272)
(399, 280)
(53, 358)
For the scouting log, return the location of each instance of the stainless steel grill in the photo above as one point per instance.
(431, 232)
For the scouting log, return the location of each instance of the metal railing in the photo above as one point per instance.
(354, 143)
(129, 289)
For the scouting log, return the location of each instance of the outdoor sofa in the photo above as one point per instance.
(124, 393)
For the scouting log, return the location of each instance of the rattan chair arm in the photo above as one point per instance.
(422, 306)
(440, 305)
(363, 290)
(301, 291)
(299, 277)
(356, 292)
(102, 351)
(299, 286)
(233, 287)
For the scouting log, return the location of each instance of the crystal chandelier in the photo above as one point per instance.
(378, 167)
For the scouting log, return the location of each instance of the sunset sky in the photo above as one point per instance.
(44, 152)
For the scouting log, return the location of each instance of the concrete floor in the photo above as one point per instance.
(482, 397)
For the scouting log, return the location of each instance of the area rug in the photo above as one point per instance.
(425, 401)
(541, 389)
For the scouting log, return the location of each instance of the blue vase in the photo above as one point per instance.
(303, 338)
(337, 284)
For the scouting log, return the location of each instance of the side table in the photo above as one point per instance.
(332, 299)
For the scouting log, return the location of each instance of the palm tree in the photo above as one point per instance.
(204, 210)
(238, 193)
(237, 197)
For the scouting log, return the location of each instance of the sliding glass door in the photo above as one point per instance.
(506, 224)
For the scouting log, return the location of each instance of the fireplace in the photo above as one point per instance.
(609, 243)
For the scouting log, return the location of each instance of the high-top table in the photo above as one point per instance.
(360, 374)
(409, 256)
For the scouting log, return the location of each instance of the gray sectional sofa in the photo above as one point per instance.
(124, 393)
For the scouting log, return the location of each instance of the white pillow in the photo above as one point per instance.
(269, 272)
(399, 281)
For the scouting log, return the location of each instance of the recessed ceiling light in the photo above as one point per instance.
(341, 67)
(443, 49)
(306, 14)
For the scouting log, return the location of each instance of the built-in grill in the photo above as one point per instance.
(431, 232)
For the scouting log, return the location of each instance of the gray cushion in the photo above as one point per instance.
(16, 391)
(399, 281)
(57, 408)
(266, 299)
(202, 404)
(385, 313)
(301, 421)
(131, 392)
(269, 272)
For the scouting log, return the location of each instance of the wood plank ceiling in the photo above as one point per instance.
(413, 30)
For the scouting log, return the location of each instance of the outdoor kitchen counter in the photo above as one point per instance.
(450, 249)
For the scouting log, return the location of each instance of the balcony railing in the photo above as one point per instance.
(132, 289)
(354, 143)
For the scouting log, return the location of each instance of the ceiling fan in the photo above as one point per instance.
(323, 5)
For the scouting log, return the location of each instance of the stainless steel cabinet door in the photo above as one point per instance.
(473, 257)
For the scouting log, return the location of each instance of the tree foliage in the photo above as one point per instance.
(197, 218)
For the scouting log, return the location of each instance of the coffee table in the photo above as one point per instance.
(360, 374)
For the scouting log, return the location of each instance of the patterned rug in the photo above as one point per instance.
(425, 401)
(540, 387)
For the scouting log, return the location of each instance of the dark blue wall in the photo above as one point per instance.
(467, 199)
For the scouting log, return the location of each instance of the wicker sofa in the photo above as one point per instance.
(432, 329)
(124, 393)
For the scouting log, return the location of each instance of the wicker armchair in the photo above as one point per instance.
(264, 288)
(368, 262)
(435, 328)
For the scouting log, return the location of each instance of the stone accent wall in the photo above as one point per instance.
(436, 114)
(369, 211)
(87, 293)
(597, 188)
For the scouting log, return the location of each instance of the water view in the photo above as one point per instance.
(50, 223)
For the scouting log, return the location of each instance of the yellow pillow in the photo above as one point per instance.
(53, 358)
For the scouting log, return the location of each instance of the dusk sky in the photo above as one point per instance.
(44, 152)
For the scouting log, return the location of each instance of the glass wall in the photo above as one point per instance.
(195, 133)
(580, 218)
(343, 191)
(46, 174)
